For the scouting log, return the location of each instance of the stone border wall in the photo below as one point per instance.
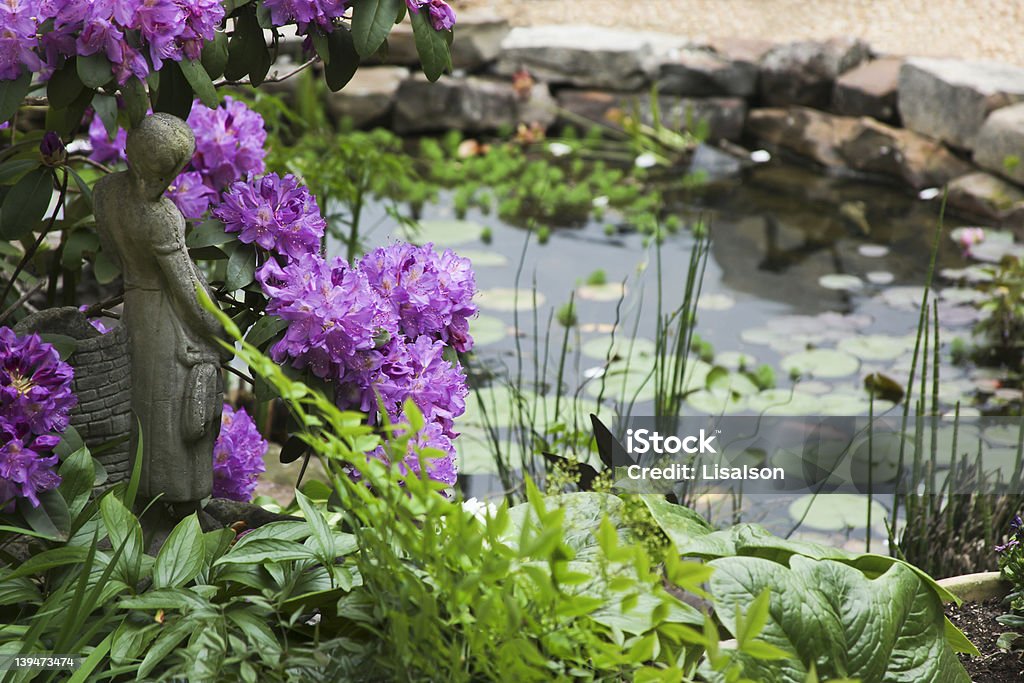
(928, 124)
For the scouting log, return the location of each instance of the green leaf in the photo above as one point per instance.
(181, 557)
(67, 120)
(64, 344)
(12, 93)
(175, 93)
(77, 475)
(344, 59)
(164, 644)
(94, 660)
(64, 85)
(136, 100)
(49, 559)
(432, 46)
(321, 532)
(321, 45)
(124, 531)
(52, 518)
(83, 186)
(265, 329)
(247, 50)
(15, 169)
(215, 55)
(371, 22)
(241, 267)
(202, 84)
(104, 268)
(94, 70)
(26, 204)
(130, 639)
(106, 109)
(890, 628)
(265, 550)
(209, 233)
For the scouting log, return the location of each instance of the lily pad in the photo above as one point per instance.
(447, 233)
(502, 408)
(836, 511)
(735, 382)
(610, 291)
(962, 295)
(624, 386)
(619, 346)
(783, 402)
(880, 277)
(903, 298)
(734, 360)
(841, 404)
(873, 250)
(474, 452)
(1003, 435)
(487, 329)
(509, 299)
(716, 402)
(845, 283)
(762, 336)
(875, 346)
(481, 258)
(821, 363)
(715, 302)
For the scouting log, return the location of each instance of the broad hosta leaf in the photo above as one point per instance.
(583, 514)
(830, 615)
(181, 556)
(371, 22)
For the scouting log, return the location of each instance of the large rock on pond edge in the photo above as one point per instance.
(988, 197)
(804, 72)
(369, 96)
(478, 38)
(1000, 143)
(949, 99)
(869, 90)
(584, 56)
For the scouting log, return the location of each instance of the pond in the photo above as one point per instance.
(820, 279)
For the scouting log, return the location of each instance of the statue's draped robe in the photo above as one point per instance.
(176, 382)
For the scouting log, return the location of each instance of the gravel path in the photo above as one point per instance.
(970, 29)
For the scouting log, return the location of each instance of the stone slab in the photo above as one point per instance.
(988, 197)
(950, 99)
(804, 72)
(869, 90)
(369, 97)
(703, 72)
(1000, 143)
(478, 37)
(473, 104)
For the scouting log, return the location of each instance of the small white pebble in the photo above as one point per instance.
(760, 156)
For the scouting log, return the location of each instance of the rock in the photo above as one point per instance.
(724, 115)
(1000, 143)
(869, 90)
(950, 99)
(746, 50)
(986, 196)
(478, 37)
(584, 56)
(807, 132)
(470, 104)
(804, 72)
(918, 161)
(717, 164)
(369, 96)
(703, 72)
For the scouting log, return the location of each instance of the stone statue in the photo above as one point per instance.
(177, 389)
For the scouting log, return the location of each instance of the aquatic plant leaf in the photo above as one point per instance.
(845, 283)
(821, 363)
(835, 511)
(510, 299)
(876, 346)
(487, 329)
(447, 233)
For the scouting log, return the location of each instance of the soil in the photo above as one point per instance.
(978, 622)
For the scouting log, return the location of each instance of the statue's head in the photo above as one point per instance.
(157, 151)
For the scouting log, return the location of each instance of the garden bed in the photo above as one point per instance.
(978, 622)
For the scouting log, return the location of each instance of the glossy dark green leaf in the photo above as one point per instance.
(94, 70)
(209, 233)
(371, 22)
(67, 120)
(13, 170)
(64, 344)
(12, 93)
(265, 329)
(215, 55)
(321, 45)
(52, 518)
(105, 269)
(247, 50)
(292, 450)
(26, 204)
(175, 93)
(77, 474)
(136, 101)
(106, 109)
(83, 187)
(78, 243)
(432, 46)
(241, 267)
(64, 86)
(202, 84)
(344, 59)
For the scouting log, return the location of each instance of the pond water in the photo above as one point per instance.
(810, 274)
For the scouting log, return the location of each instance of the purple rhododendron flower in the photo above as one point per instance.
(442, 469)
(105, 150)
(433, 293)
(275, 213)
(35, 385)
(35, 402)
(442, 16)
(237, 456)
(418, 371)
(190, 194)
(17, 38)
(306, 13)
(229, 142)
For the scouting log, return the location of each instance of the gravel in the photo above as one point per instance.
(977, 29)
